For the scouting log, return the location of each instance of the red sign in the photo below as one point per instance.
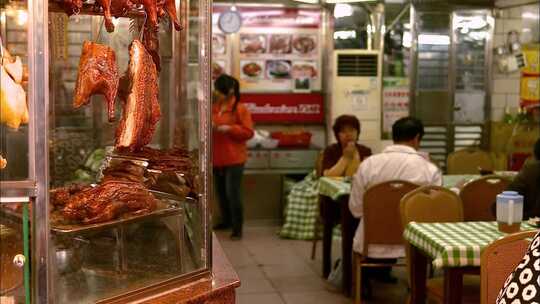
(279, 108)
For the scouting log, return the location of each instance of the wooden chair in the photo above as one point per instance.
(498, 260)
(382, 224)
(467, 161)
(479, 195)
(432, 204)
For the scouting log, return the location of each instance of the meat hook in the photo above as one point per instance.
(141, 31)
(99, 30)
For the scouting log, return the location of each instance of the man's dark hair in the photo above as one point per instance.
(406, 129)
(537, 149)
(345, 120)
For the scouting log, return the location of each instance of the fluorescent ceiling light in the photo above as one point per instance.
(434, 39)
(348, 1)
(342, 10)
(344, 35)
(308, 1)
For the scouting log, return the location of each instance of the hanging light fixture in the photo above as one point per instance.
(308, 1)
(348, 1)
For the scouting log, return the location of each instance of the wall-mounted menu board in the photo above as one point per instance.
(276, 50)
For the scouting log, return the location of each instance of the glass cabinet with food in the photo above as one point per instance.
(104, 149)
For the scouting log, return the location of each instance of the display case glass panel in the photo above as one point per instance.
(14, 112)
(14, 248)
(128, 195)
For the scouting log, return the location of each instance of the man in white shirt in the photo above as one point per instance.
(398, 161)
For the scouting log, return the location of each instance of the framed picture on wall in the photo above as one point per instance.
(302, 84)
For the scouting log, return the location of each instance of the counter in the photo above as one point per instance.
(219, 289)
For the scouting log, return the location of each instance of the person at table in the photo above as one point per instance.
(402, 161)
(527, 183)
(343, 157)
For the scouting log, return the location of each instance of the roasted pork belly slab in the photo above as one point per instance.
(98, 74)
(141, 106)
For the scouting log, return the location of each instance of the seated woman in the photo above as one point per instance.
(339, 159)
(344, 157)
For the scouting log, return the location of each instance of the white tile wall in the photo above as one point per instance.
(509, 85)
(512, 100)
(505, 86)
(498, 100)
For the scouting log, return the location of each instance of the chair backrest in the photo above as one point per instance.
(498, 260)
(431, 204)
(381, 218)
(319, 164)
(479, 195)
(467, 161)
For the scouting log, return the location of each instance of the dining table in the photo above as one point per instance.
(334, 209)
(455, 248)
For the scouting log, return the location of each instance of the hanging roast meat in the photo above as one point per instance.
(167, 6)
(106, 6)
(108, 201)
(71, 7)
(141, 106)
(151, 43)
(120, 8)
(98, 74)
(151, 9)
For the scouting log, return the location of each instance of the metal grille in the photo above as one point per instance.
(357, 65)
(441, 140)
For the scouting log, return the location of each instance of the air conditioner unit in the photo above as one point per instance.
(357, 90)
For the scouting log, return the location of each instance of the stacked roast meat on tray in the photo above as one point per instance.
(124, 188)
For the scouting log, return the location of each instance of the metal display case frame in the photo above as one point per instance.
(35, 189)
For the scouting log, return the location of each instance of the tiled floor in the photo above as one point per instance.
(277, 271)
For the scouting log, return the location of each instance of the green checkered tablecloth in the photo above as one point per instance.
(334, 188)
(454, 244)
(450, 181)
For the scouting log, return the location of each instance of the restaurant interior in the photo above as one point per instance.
(389, 151)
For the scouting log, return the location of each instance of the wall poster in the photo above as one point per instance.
(395, 102)
(276, 50)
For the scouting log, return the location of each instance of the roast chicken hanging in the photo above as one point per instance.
(98, 74)
(13, 107)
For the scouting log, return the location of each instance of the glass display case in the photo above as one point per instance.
(104, 148)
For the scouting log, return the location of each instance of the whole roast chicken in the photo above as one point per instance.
(141, 106)
(108, 201)
(98, 74)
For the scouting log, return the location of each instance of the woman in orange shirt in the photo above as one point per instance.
(231, 128)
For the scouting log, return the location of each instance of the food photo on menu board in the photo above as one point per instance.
(304, 44)
(304, 69)
(280, 44)
(252, 43)
(218, 68)
(278, 69)
(251, 69)
(219, 44)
